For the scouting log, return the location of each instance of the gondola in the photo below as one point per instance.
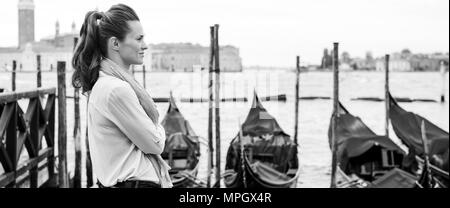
(407, 127)
(360, 152)
(182, 148)
(269, 157)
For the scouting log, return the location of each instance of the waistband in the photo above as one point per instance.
(133, 184)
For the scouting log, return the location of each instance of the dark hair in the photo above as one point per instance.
(97, 28)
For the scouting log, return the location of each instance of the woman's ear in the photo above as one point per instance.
(114, 43)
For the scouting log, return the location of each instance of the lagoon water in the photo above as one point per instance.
(314, 115)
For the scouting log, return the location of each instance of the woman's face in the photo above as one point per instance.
(132, 48)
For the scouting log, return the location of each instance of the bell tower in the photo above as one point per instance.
(26, 22)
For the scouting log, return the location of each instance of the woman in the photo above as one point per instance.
(125, 137)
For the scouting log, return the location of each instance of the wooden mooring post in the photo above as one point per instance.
(210, 109)
(217, 100)
(13, 76)
(38, 75)
(63, 179)
(444, 86)
(77, 139)
(386, 94)
(335, 114)
(297, 88)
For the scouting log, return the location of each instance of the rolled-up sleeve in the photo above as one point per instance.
(127, 113)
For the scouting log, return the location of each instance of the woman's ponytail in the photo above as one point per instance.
(88, 53)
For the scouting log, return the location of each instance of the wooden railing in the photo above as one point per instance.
(19, 129)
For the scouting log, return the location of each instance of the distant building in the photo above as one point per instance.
(61, 40)
(345, 58)
(363, 64)
(187, 57)
(407, 61)
(26, 60)
(395, 64)
(424, 63)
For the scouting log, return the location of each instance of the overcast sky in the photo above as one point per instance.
(268, 32)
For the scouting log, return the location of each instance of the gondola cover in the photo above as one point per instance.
(407, 127)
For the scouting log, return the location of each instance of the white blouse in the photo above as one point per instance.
(120, 133)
